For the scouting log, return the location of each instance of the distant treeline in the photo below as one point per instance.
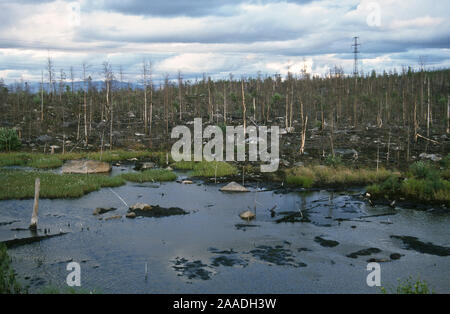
(416, 100)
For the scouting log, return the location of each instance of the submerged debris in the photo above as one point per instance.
(326, 243)
(101, 211)
(364, 252)
(191, 269)
(276, 255)
(145, 210)
(413, 243)
(23, 241)
(292, 217)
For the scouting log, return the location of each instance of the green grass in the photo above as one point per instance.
(8, 281)
(151, 175)
(20, 184)
(207, 169)
(319, 176)
(47, 161)
(303, 181)
(409, 286)
(424, 182)
(213, 169)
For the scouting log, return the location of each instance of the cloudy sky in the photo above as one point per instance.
(218, 37)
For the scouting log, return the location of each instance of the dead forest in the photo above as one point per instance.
(388, 118)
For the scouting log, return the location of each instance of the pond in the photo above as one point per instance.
(299, 242)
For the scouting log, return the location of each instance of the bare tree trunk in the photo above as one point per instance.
(85, 106)
(180, 100)
(144, 78)
(211, 110)
(428, 109)
(34, 217)
(304, 127)
(244, 107)
(224, 104)
(448, 114)
(42, 96)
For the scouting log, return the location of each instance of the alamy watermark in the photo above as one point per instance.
(374, 277)
(74, 277)
(235, 139)
(374, 14)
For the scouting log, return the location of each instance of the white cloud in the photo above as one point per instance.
(258, 36)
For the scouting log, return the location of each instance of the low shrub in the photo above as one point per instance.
(9, 140)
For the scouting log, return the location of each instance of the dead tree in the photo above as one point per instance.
(180, 99)
(85, 66)
(244, 107)
(145, 83)
(109, 76)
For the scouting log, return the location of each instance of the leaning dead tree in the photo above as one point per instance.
(34, 217)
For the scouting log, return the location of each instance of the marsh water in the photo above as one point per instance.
(311, 242)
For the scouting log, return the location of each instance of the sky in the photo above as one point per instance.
(219, 37)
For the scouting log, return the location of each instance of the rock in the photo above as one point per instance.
(140, 206)
(148, 165)
(432, 157)
(346, 152)
(101, 211)
(86, 166)
(299, 164)
(290, 130)
(113, 217)
(354, 138)
(285, 163)
(187, 182)
(248, 215)
(131, 215)
(169, 168)
(395, 256)
(145, 166)
(44, 139)
(234, 187)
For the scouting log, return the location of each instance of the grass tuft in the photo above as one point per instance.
(319, 176)
(151, 175)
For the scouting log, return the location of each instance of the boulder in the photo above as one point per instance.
(233, 187)
(187, 182)
(346, 152)
(140, 206)
(432, 157)
(145, 166)
(248, 215)
(86, 166)
(131, 215)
